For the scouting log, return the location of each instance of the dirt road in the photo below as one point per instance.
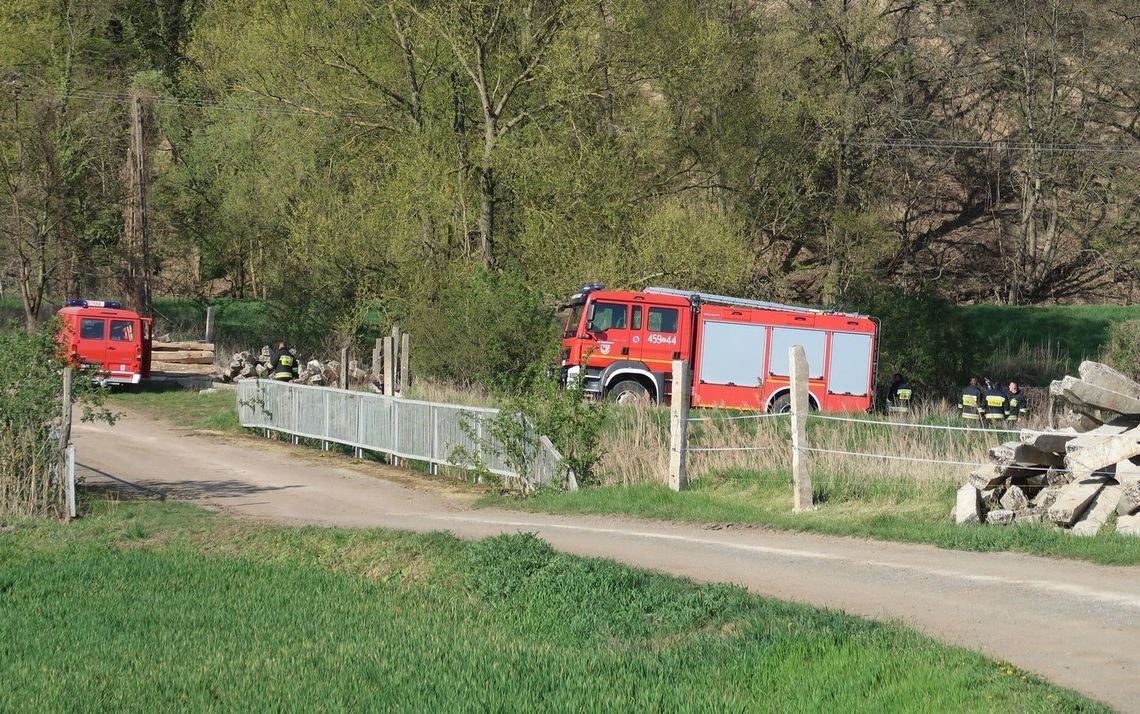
(1074, 623)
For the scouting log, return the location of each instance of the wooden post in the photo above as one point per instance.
(405, 374)
(801, 476)
(69, 466)
(377, 357)
(65, 421)
(343, 368)
(67, 451)
(210, 323)
(679, 426)
(389, 367)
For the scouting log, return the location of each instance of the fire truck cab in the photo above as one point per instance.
(103, 337)
(621, 344)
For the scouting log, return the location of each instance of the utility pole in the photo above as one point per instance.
(137, 281)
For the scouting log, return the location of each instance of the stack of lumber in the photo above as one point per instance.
(194, 359)
(1077, 478)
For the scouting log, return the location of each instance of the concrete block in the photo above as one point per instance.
(1051, 441)
(1128, 525)
(1108, 452)
(1016, 452)
(1047, 497)
(1000, 517)
(1097, 513)
(1073, 500)
(1025, 516)
(986, 477)
(1082, 422)
(1063, 389)
(1079, 392)
(1129, 502)
(1128, 472)
(1105, 377)
(1014, 499)
(1057, 477)
(1096, 436)
(967, 506)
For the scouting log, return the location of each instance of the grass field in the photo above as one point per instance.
(1079, 330)
(212, 412)
(152, 607)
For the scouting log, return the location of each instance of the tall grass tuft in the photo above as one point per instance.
(1034, 364)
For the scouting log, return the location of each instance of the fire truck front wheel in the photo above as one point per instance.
(629, 391)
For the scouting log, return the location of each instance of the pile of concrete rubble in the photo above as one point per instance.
(1076, 478)
(247, 365)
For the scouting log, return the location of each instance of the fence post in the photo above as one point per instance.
(377, 356)
(405, 374)
(65, 419)
(69, 465)
(343, 368)
(801, 476)
(389, 367)
(209, 323)
(679, 426)
(325, 430)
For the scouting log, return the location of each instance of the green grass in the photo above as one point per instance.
(885, 509)
(215, 412)
(1082, 330)
(151, 607)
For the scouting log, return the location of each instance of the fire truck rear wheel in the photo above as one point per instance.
(629, 391)
(782, 405)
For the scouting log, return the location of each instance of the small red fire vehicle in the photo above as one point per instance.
(103, 337)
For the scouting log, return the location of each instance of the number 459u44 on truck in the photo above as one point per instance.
(621, 344)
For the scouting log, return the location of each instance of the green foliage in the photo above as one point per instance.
(1082, 331)
(537, 407)
(30, 416)
(1123, 348)
(922, 336)
(142, 605)
(482, 328)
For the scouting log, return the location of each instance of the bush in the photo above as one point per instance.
(1123, 348)
(30, 412)
(922, 336)
(482, 328)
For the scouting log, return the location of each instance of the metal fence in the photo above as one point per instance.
(431, 432)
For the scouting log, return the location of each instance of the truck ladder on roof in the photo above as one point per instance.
(714, 299)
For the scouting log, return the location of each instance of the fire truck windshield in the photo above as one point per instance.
(572, 320)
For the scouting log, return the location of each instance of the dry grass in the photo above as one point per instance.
(436, 391)
(637, 451)
(1035, 364)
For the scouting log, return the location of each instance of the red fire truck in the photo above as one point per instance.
(621, 345)
(103, 336)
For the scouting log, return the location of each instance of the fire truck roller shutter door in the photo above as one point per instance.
(814, 343)
(732, 353)
(849, 364)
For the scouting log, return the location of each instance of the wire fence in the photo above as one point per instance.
(851, 445)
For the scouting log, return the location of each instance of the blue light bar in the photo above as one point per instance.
(110, 304)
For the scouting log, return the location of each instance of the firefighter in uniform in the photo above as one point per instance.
(1015, 407)
(971, 401)
(899, 394)
(283, 364)
(995, 404)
